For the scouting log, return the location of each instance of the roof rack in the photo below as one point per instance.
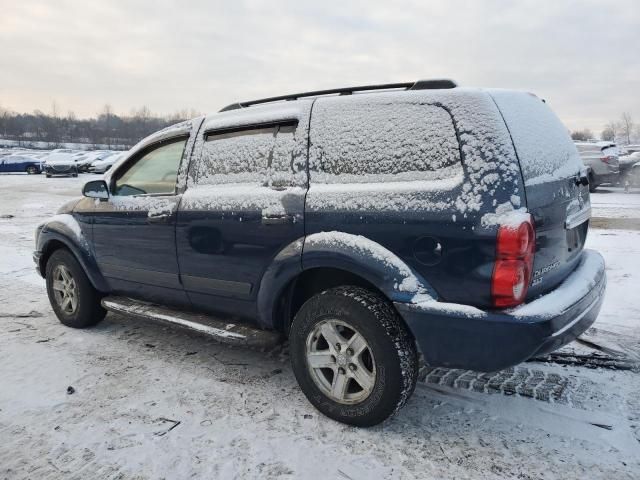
(419, 85)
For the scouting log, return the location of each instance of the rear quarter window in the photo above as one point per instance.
(363, 140)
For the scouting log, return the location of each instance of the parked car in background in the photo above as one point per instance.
(633, 177)
(105, 163)
(392, 232)
(628, 149)
(602, 161)
(85, 159)
(60, 163)
(630, 170)
(20, 163)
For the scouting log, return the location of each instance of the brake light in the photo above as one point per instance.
(515, 245)
(608, 160)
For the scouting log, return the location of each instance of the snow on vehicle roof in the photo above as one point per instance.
(258, 114)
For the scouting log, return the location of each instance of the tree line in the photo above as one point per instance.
(623, 132)
(107, 128)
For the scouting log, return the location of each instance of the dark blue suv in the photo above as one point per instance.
(367, 225)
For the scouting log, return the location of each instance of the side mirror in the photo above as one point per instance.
(96, 189)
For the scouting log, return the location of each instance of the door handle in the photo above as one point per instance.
(277, 219)
(158, 218)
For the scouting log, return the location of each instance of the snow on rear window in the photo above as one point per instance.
(366, 139)
(544, 147)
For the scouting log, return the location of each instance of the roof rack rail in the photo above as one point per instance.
(419, 85)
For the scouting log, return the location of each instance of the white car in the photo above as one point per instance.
(84, 160)
(105, 163)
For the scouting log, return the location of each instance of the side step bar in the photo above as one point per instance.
(225, 332)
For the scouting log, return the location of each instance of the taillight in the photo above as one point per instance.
(515, 244)
(608, 160)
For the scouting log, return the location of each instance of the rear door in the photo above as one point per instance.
(244, 203)
(551, 168)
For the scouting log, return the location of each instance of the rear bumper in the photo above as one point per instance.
(459, 336)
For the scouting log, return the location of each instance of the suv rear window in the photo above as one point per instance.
(544, 147)
(365, 140)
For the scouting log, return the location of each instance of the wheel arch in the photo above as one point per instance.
(56, 237)
(319, 262)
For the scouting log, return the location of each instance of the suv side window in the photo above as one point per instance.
(258, 155)
(371, 141)
(155, 172)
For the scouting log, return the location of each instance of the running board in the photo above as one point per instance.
(225, 332)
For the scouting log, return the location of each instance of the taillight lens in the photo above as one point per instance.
(608, 160)
(515, 245)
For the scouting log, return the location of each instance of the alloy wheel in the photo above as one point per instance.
(340, 362)
(65, 289)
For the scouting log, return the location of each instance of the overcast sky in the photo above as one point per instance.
(582, 56)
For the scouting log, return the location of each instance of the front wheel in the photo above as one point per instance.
(353, 356)
(31, 170)
(73, 299)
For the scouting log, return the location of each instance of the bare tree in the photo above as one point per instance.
(608, 134)
(626, 125)
(54, 109)
(71, 125)
(582, 135)
(5, 115)
(613, 130)
(107, 113)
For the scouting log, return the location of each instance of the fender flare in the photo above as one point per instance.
(65, 229)
(352, 253)
(286, 266)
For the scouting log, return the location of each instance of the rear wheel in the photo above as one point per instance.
(73, 299)
(31, 169)
(353, 356)
(592, 183)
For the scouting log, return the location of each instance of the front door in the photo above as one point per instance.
(243, 204)
(134, 230)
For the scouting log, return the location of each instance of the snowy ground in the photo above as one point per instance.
(242, 415)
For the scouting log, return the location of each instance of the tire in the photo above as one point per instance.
(74, 175)
(87, 310)
(48, 175)
(31, 170)
(389, 362)
(592, 184)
